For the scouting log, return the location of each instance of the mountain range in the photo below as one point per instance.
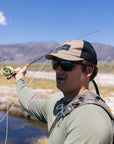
(27, 52)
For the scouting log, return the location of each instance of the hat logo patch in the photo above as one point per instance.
(65, 47)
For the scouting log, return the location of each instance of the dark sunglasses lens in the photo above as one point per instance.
(55, 64)
(65, 65)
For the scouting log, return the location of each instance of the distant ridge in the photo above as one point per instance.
(25, 52)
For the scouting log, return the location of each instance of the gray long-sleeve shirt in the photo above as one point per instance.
(87, 124)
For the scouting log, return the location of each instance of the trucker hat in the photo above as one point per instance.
(75, 50)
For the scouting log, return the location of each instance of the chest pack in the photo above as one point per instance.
(82, 99)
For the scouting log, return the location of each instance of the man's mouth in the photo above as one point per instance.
(60, 78)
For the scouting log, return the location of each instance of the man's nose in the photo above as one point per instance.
(59, 69)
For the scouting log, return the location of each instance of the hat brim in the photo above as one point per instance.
(65, 56)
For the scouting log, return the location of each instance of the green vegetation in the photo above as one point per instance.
(42, 84)
(104, 67)
(36, 83)
(33, 67)
(105, 90)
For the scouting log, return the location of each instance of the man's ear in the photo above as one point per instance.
(89, 71)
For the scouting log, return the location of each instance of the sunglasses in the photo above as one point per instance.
(64, 64)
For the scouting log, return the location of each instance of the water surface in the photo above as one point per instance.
(21, 131)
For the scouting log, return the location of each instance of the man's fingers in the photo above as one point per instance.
(17, 69)
(21, 69)
(20, 72)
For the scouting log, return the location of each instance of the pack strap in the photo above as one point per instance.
(53, 125)
(80, 100)
(96, 87)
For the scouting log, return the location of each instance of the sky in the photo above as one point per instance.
(23, 21)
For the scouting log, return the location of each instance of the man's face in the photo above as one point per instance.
(69, 81)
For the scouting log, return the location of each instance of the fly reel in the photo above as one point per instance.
(7, 71)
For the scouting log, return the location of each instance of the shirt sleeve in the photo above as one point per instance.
(90, 125)
(35, 107)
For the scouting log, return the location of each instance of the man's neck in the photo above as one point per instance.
(71, 95)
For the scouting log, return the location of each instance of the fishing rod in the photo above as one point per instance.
(8, 71)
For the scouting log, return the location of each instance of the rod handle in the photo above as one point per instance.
(14, 74)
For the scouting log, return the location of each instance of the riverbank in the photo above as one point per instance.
(9, 101)
(101, 78)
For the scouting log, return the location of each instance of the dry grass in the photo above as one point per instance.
(105, 91)
(33, 67)
(104, 67)
(42, 140)
(35, 84)
(4, 81)
(42, 83)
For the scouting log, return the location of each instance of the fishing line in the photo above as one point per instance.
(6, 138)
(93, 32)
(17, 98)
(44, 63)
(90, 33)
(9, 72)
(6, 115)
(6, 135)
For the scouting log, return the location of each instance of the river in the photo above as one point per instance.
(20, 131)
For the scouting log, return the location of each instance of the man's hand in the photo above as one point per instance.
(20, 72)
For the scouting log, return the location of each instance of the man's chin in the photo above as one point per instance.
(61, 87)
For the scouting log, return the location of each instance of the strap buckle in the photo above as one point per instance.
(65, 110)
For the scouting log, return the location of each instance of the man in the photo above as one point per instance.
(75, 118)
